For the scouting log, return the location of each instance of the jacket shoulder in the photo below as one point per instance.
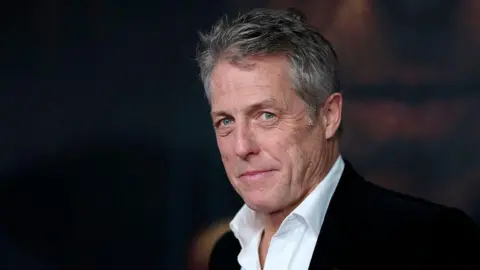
(405, 209)
(361, 197)
(446, 236)
(403, 206)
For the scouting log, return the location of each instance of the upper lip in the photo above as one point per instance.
(253, 172)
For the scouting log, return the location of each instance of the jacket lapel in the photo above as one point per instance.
(329, 243)
(323, 257)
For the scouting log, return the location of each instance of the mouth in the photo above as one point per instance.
(255, 175)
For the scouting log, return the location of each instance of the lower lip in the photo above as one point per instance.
(256, 176)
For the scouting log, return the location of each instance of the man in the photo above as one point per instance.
(272, 84)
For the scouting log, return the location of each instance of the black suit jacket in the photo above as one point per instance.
(369, 227)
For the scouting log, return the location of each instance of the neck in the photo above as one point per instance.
(314, 176)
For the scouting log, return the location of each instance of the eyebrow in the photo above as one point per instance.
(267, 103)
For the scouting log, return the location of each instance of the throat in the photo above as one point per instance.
(263, 248)
(272, 221)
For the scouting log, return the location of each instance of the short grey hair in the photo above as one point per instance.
(262, 32)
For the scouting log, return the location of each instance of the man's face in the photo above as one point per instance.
(269, 146)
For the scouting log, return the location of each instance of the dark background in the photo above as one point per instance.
(107, 156)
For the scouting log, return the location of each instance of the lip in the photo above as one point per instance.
(254, 175)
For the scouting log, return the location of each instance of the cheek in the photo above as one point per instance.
(223, 147)
(300, 149)
(278, 147)
(226, 151)
(296, 156)
(273, 144)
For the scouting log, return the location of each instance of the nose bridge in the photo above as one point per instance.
(245, 139)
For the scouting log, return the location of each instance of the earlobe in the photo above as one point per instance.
(333, 114)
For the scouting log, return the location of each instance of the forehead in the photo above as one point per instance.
(250, 81)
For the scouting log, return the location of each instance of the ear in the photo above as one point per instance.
(332, 114)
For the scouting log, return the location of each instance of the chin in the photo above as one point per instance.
(260, 208)
(261, 204)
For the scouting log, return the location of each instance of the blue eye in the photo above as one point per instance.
(225, 121)
(268, 115)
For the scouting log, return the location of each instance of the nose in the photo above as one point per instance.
(245, 144)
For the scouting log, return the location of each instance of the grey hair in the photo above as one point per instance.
(262, 32)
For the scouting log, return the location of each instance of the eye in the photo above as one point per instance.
(268, 115)
(224, 122)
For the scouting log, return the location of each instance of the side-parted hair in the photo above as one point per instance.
(263, 32)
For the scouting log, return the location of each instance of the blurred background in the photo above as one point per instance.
(107, 155)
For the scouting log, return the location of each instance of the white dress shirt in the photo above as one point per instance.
(292, 245)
